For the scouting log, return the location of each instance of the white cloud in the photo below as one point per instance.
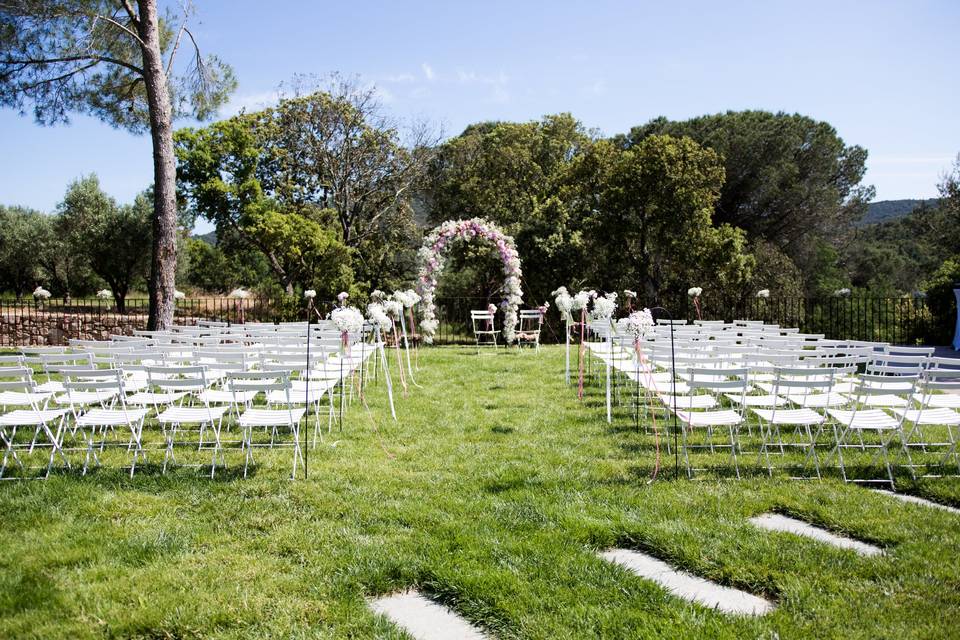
(497, 83)
(427, 71)
(250, 102)
(598, 88)
(385, 95)
(400, 78)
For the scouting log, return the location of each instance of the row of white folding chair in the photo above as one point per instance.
(853, 412)
(93, 419)
(18, 389)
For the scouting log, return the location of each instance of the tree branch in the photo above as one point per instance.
(126, 30)
(76, 58)
(134, 18)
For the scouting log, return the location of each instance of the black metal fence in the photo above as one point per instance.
(897, 320)
(906, 320)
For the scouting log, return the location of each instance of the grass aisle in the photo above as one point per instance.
(492, 494)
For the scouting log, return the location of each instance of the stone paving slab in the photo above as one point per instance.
(915, 500)
(423, 618)
(778, 522)
(689, 586)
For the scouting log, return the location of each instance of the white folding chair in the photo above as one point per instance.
(800, 383)
(100, 420)
(531, 324)
(713, 381)
(879, 426)
(484, 329)
(18, 389)
(933, 383)
(286, 416)
(191, 381)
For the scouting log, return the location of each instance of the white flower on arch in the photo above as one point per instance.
(431, 260)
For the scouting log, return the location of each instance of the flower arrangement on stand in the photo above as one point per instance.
(40, 295)
(239, 295)
(762, 296)
(581, 303)
(431, 260)
(695, 293)
(603, 307)
(408, 299)
(382, 323)
(347, 320)
(393, 308)
(564, 302)
(602, 314)
(637, 325)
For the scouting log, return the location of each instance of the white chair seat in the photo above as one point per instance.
(865, 419)
(51, 386)
(86, 397)
(270, 417)
(930, 415)
(111, 417)
(940, 400)
(702, 401)
(22, 417)
(220, 396)
(316, 384)
(709, 418)
(152, 398)
(191, 415)
(21, 398)
(763, 400)
(883, 400)
(789, 416)
(819, 400)
(297, 396)
(134, 384)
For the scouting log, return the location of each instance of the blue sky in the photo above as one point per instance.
(883, 73)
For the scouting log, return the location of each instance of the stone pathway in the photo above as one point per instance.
(777, 522)
(915, 500)
(688, 586)
(423, 618)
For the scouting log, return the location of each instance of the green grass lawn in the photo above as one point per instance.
(492, 494)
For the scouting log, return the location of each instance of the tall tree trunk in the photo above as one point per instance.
(164, 260)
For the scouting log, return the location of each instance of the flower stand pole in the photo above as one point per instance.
(381, 341)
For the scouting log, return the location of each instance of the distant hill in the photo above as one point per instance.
(889, 210)
(209, 238)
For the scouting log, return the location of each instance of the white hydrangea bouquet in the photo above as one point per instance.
(637, 324)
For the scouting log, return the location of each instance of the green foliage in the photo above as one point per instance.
(650, 218)
(517, 175)
(215, 270)
(64, 269)
(826, 275)
(940, 297)
(890, 210)
(114, 239)
(326, 158)
(789, 179)
(586, 211)
(773, 270)
(898, 256)
(303, 246)
(22, 231)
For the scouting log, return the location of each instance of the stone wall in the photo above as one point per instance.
(40, 328)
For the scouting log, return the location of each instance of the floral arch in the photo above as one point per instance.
(431, 259)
